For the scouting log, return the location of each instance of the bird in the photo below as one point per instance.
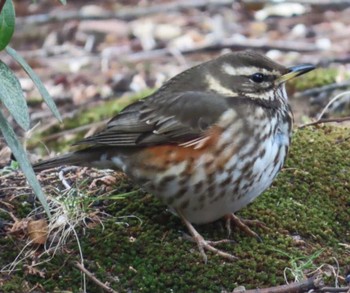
(206, 143)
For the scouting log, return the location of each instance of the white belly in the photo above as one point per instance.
(240, 191)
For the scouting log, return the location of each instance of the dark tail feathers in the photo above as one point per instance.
(74, 159)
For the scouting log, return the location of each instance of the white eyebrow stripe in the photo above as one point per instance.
(235, 71)
(216, 86)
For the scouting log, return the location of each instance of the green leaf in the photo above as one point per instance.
(22, 159)
(64, 2)
(38, 83)
(11, 95)
(7, 23)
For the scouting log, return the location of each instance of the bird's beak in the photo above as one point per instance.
(295, 71)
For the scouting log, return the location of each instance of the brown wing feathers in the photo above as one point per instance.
(182, 119)
(177, 119)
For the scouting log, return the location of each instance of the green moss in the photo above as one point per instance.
(23, 206)
(310, 199)
(15, 285)
(316, 78)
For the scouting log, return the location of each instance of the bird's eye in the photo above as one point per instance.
(258, 77)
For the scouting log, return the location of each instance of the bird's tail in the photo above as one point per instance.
(73, 159)
(90, 157)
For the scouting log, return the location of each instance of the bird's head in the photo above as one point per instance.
(248, 74)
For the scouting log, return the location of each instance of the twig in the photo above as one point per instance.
(93, 278)
(337, 97)
(322, 89)
(324, 4)
(230, 44)
(337, 120)
(314, 284)
(61, 175)
(325, 61)
(257, 44)
(320, 120)
(296, 287)
(126, 14)
(333, 289)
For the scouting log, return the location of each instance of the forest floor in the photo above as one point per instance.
(95, 60)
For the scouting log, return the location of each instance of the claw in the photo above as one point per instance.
(244, 225)
(204, 244)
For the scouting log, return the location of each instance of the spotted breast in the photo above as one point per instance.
(222, 172)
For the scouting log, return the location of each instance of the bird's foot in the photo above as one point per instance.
(204, 245)
(244, 225)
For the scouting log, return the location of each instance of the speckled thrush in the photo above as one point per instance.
(207, 143)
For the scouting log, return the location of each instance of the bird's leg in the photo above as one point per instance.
(243, 225)
(204, 244)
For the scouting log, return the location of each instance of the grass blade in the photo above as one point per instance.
(11, 95)
(38, 83)
(22, 159)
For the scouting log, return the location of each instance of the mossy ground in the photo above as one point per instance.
(310, 200)
(316, 78)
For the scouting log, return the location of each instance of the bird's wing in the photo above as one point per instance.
(180, 118)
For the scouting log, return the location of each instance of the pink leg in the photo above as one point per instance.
(243, 225)
(204, 244)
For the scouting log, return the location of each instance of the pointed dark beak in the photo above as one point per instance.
(295, 71)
